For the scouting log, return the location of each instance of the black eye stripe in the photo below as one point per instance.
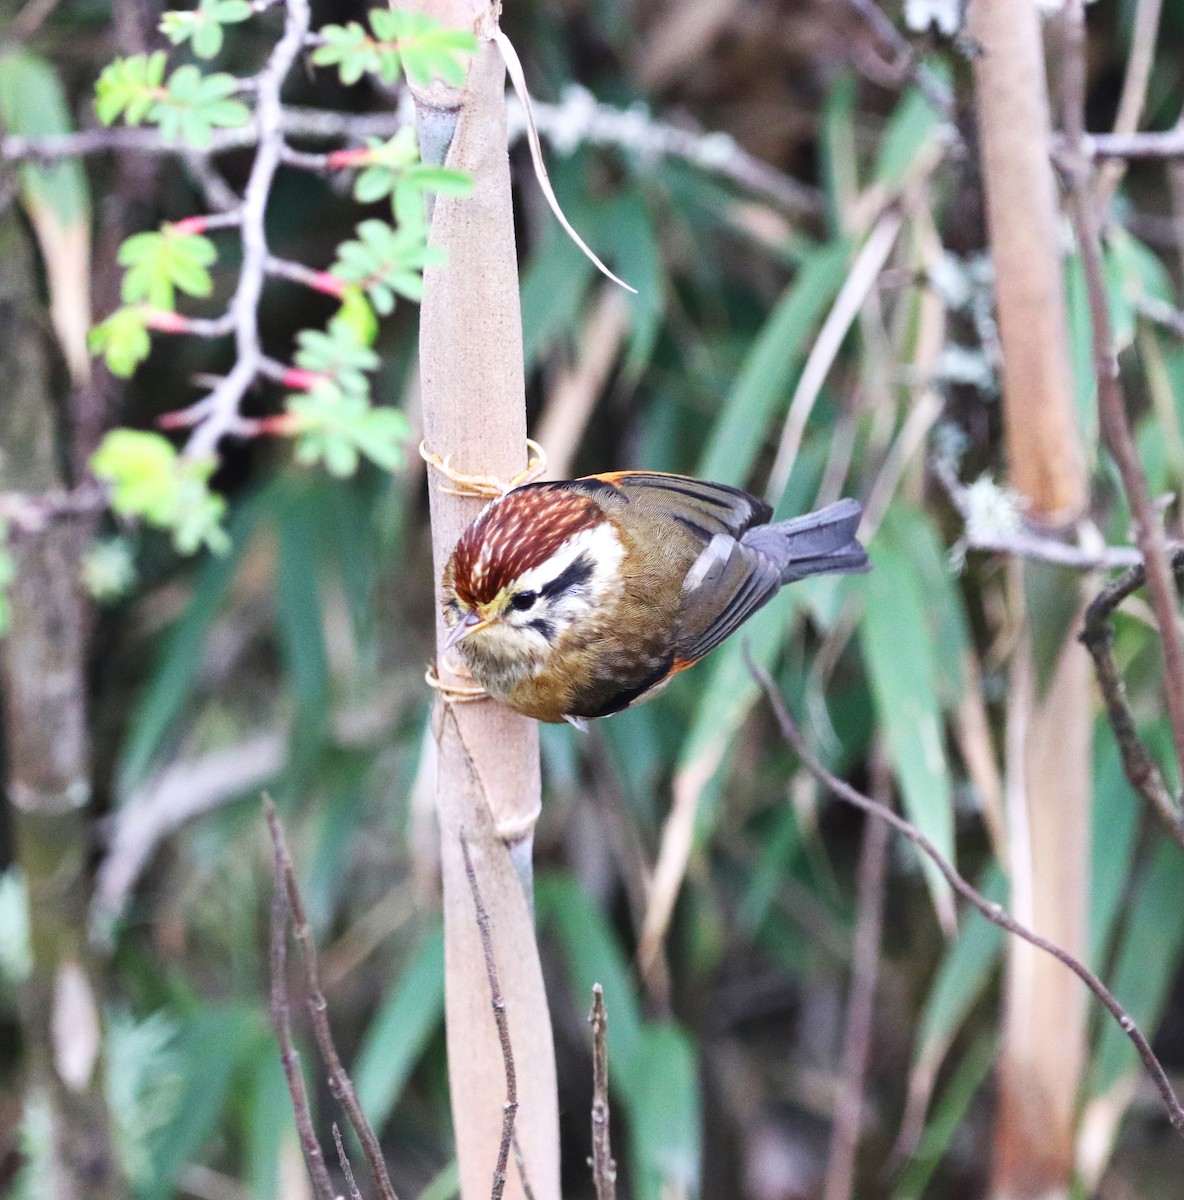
(570, 578)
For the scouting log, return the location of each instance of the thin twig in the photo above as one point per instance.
(498, 1004)
(1026, 542)
(31, 512)
(865, 963)
(1144, 33)
(520, 1163)
(865, 270)
(604, 1167)
(577, 119)
(934, 89)
(1098, 637)
(340, 1083)
(314, 1157)
(1167, 143)
(995, 913)
(1149, 533)
(346, 1169)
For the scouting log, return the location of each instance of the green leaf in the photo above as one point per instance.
(909, 134)
(160, 264)
(966, 968)
(1116, 808)
(33, 104)
(203, 26)
(174, 673)
(300, 621)
(210, 1049)
(400, 1029)
(777, 354)
(151, 481)
(335, 427)
(592, 954)
(129, 87)
(193, 105)
(665, 1120)
(902, 659)
(1149, 954)
(123, 341)
(948, 1115)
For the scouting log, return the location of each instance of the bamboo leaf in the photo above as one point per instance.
(762, 387)
(400, 1029)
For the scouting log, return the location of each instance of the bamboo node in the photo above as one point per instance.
(484, 487)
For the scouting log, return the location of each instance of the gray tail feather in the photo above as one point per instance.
(819, 543)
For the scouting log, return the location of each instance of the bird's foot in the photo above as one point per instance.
(484, 487)
(452, 693)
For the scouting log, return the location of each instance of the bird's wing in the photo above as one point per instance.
(705, 509)
(729, 580)
(727, 583)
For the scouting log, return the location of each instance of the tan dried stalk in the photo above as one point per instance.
(488, 777)
(1050, 712)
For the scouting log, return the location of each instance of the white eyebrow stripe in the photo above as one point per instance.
(603, 548)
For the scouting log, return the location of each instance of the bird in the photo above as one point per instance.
(577, 599)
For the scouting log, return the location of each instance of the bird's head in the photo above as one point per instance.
(532, 564)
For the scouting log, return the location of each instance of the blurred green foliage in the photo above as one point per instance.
(311, 625)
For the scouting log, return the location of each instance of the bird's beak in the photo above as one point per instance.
(473, 623)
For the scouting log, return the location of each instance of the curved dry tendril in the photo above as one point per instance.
(995, 913)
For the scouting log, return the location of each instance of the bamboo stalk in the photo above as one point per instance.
(488, 779)
(1050, 711)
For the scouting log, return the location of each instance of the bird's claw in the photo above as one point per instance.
(484, 487)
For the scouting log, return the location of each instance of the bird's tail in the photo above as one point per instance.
(819, 543)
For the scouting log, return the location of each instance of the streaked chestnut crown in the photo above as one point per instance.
(515, 533)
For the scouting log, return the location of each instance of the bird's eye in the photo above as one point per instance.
(523, 600)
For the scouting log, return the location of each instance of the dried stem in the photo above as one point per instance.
(995, 913)
(498, 1004)
(281, 1020)
(604, 1167)
(346, 1169)
(1116, 429)
(340, 1083)
(1098, 636)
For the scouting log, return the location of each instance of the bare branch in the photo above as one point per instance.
(604, 1167)
(281, 1020)
(1027, 542)
(1166, 144)
(1098, 637)
(29, 512)
(935, 90)
(995, 913)
(498, 1004)
(340, 1083)
(223, 415)
(1149, 533)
